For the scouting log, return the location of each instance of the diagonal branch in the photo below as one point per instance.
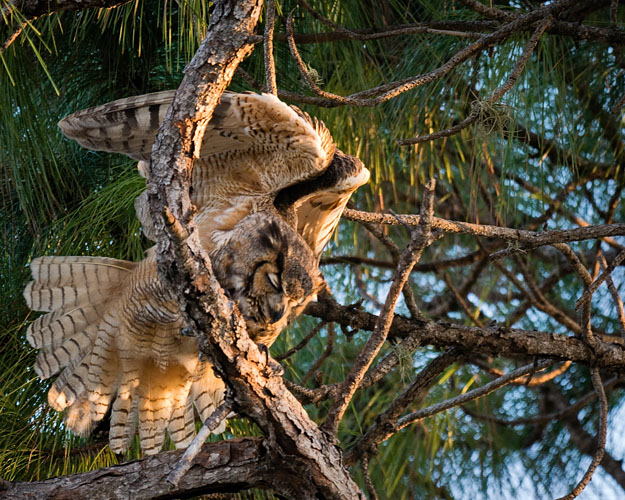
(477, 106)
(486, 389)
(599, 451)
(393, 89)
(420, 239)
(384, 425)
(257, 390)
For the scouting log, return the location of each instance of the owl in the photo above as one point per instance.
(269, 187)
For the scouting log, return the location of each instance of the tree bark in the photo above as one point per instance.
(257, 390)
(495, 340)
(227, 466)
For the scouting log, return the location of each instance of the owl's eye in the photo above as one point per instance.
(274, 280)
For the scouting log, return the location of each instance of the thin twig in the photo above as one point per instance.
(384, 425)
(326, 354)
(617, 107)
(284, 94)
(522, 61)
(498, 14)
(404, 349)
(364, 463)
(212, 422)
(531, 380)
(443, 305)
(601, 436)
(558, 415)
(393, 249)
(604, 275)
(302, 344)
(535, 296)
(306, 74)
(461, 301)
(471, 395)
(412, 253)
(11, 38)
(583, 273)
(496, 95)
(270, 64)
(615, 296)
(469, 120)
(325, 20)
(389, 91)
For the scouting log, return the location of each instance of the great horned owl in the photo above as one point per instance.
(269, 187)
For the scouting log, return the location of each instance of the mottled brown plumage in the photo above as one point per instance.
(269, 186)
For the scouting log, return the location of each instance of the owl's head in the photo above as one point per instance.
(269, 271)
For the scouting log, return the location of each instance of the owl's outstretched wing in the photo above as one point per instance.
(127, 126)
(254, 146)
(246, 130)
(319, 202)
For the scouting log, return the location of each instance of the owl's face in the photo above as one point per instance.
(269, 271)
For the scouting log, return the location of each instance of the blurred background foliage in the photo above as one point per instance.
(56, 198)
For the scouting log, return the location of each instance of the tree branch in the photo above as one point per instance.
(234, 465)
(420, 239)
(257, 391)
(495, 340)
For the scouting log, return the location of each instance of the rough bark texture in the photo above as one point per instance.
(311, 456)
(495, 341)
(226, 466)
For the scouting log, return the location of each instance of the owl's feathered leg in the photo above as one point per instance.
(207, 393)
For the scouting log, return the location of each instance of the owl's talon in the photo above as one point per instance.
(273, 368)
(264, 350)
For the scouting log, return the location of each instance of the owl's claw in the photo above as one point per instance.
(272, 367)
(275, 367)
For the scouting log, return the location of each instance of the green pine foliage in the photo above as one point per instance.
(59, 199)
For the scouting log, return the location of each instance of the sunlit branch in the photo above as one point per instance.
(270, 64)
(477, 108)
(530, 239)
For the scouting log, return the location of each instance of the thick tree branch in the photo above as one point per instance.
(234, 465)
(257, 391)
(495, 341)
(529, 239)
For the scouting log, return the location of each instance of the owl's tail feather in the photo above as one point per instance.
(76, 336)
(83, 338)
(163, 401)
